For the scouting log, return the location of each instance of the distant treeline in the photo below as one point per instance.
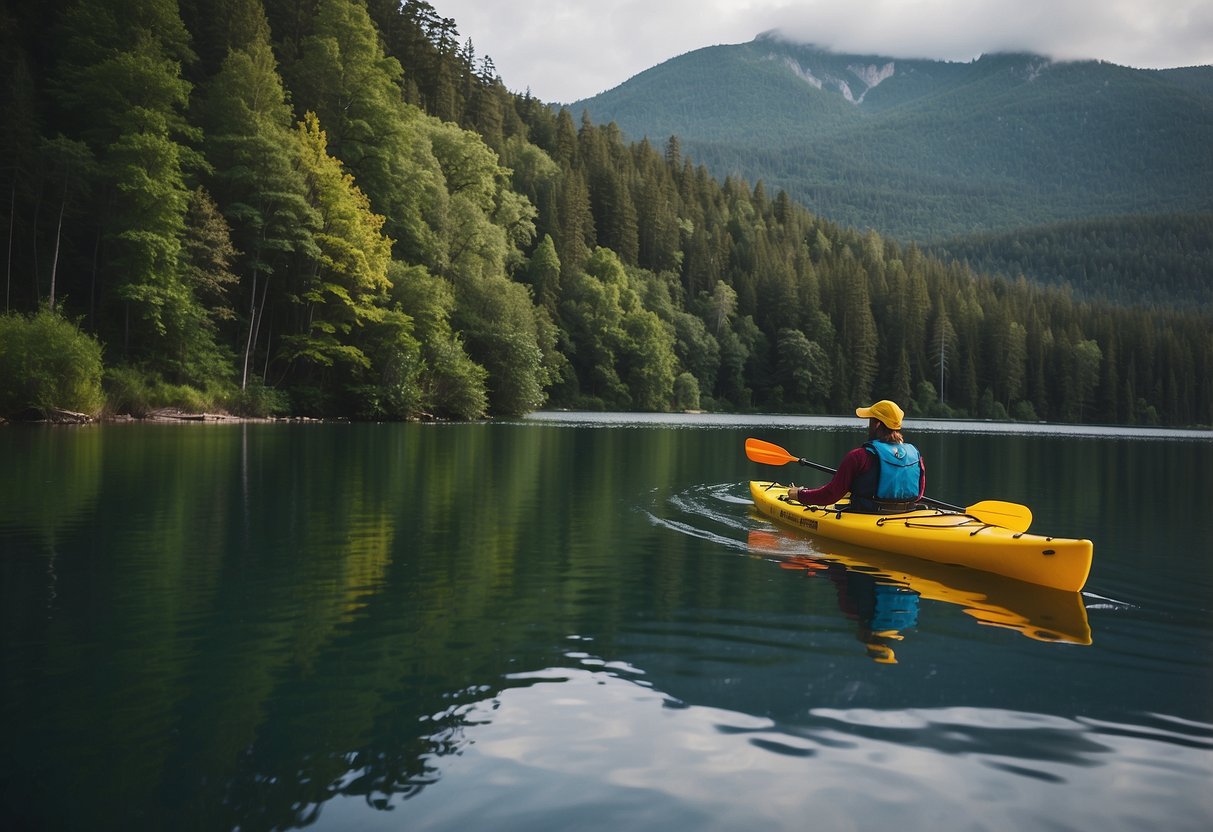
(336, 208)
(1164, 260)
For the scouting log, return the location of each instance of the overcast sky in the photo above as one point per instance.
(565, 50)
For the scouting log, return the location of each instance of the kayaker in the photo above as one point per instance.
(884, 475)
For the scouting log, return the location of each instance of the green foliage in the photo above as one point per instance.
(696, 349)
(622, 352)
(1083, 366)
(457, 385)
(803, 368)
(349, 278)
(1024, 412)
(257, 179)
(543, 273)
(686, 392)
(392, 388)
(502, 331)
(647, 361)
(119, 86)
(428, 245)
(1164, 260)
(128, 390)
(344, 76)
(927, 405)
(47, 363)
(249, 146)
(591, 310)
(138, 391)
(195, 354)
(256, 401)
(451, 384)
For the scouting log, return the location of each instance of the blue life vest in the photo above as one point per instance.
(893, 480)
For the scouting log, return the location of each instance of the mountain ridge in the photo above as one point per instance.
(921, 149)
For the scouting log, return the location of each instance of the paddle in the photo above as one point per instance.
(1011, 516)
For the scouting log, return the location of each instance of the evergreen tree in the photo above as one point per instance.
(347, 283)
(344, 77)
(120, 88)
(257, 181)
(943, 348)
(857, 339)
(543, 273)
(206, 271)
(803, 368)
(1084, 377)
(575, 235)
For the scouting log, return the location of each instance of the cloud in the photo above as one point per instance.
(1129, 32)
(573, 49)
(564, 50)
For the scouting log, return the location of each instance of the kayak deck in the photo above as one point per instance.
(940, 536)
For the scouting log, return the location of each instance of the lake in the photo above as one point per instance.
(575, 621)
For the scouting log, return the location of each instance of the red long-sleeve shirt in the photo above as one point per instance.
(852, 465)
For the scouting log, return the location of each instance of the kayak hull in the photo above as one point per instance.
(939, 536)
(1039, 612)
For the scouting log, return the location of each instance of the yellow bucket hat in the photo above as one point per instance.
(889, 414)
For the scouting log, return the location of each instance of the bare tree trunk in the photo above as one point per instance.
(269, 339)
(256, 322)
(92, 289)
(34, 234)
(12, 216)
(58, 238)
(248, 342)
(254, 328)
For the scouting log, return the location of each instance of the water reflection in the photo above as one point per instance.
(569, 739)
(515, 626)
(881, 608)
(881, 591)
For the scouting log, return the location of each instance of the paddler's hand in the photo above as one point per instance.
(792, 493)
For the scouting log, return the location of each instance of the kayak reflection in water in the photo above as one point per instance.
(885, 475)
(881, 609)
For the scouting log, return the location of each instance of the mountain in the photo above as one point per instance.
(926, 150)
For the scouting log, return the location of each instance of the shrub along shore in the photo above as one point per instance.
(51, 371)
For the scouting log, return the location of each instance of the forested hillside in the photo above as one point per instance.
(1163, 261)
(927, 150)
(336, 208)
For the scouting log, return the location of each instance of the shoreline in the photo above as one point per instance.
(170, 415)
(166, 415)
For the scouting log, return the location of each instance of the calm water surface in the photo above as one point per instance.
(575, 622)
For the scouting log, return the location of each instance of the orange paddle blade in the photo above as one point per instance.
(767, 453)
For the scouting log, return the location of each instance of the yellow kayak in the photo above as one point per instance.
(1038, 612)
(936, 535)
